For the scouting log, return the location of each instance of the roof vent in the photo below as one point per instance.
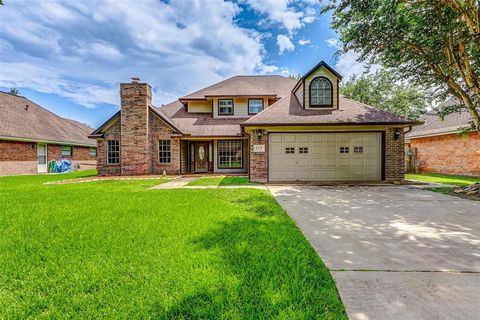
(135, 79)
(26, 107)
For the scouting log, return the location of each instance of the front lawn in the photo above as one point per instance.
(443, 178)
(116, 249)
(221, 181)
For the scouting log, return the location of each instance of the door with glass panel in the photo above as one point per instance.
(42, 157)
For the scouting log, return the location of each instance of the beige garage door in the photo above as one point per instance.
(325, 156)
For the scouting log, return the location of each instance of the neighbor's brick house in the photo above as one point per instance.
(272, 128)
(439, 147)
(31, 136)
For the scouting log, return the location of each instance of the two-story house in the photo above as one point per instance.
(272, 128)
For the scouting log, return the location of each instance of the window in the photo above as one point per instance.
(357, 149)
(303, 150)
(289, 150)
(230, 154)
(255, 106)
(344, 149)
(321, 92)
(113, 152)
(225, 106)
(93, 152)
(66, 151)
(164, 151)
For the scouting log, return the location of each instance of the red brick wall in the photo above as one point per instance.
(451, 154)
(394, 156)
(104, 169)
(160, 130)
(136, 153)
(258, 161)
(18, 151)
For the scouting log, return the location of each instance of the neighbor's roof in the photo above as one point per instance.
(274, 85)
(38, 124)
(288, 111)
(200, 124)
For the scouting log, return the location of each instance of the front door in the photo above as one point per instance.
(201, 156)
(42, 157)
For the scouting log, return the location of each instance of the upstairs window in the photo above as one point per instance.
(225, 107)
(66, 151)
(321, 92)
(164, 151)
(255, 106)
(113, 152)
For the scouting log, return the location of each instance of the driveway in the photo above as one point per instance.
(395, 252)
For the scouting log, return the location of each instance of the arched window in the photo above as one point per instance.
(320, 92)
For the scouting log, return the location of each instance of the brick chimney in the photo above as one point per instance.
(135, 98)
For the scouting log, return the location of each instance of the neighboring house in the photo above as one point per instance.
(31, 136)
(438, 147)
(272, 128)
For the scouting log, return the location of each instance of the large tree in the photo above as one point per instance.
(382, 91)
(431, 43)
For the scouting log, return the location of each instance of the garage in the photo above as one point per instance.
(339, 156)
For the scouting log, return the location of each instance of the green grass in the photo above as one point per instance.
(221, 181)
(443, 178)
(116, 249)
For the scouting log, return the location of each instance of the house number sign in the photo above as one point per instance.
(258, 148)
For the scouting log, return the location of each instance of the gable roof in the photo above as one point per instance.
(35, 123)
(288, 111)
(274, 85)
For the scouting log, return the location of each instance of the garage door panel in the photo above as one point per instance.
(321, 159)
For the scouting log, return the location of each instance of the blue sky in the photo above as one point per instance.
(70, 56)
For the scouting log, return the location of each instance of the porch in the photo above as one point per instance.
(227, 155)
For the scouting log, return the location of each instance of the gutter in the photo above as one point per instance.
(47, 141)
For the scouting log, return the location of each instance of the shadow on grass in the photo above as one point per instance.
(277, 274)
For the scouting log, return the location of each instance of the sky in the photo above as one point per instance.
(70, 56)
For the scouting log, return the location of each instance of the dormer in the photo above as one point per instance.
(318, 89)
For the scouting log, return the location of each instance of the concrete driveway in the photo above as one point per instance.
(395, 252)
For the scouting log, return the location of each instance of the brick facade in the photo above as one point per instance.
(258, 161)
(139, 130)
(394, 155)
(451, 154)
(18, 157)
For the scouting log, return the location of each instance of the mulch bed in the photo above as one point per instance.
(471, 192)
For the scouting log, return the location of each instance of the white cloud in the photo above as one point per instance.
(348, 65)
(82, 51)
(284, 44)
(283, 12)
(304, 42)
(334, 43)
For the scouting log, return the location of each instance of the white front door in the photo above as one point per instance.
(352, 156)
(42, 157)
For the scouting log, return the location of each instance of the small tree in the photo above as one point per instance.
(14, 91)
(382, 91)
(432, 44)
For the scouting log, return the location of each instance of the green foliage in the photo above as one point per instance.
(295, 77)
(444, 178)
(382, 91)
(433, 44)
(14, 91)
(119, 250)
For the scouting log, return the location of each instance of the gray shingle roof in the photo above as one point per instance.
(37, 123)
(433, 125)
(289, 111)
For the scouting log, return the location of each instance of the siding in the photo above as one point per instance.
(321, 72)
(240, 107)
(299, 94)
(202, 106)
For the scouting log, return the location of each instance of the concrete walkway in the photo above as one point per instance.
(176, 183)
(183, 182)
(395, 252)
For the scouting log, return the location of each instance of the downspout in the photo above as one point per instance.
(249, 169)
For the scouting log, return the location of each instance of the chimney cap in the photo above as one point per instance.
(135, 79)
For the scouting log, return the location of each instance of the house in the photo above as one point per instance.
(272, 128)
(31, 136)
(438, 146)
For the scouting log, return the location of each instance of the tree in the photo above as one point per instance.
(382, 91)
(295, 77)
(428, 43)
(14, 91)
